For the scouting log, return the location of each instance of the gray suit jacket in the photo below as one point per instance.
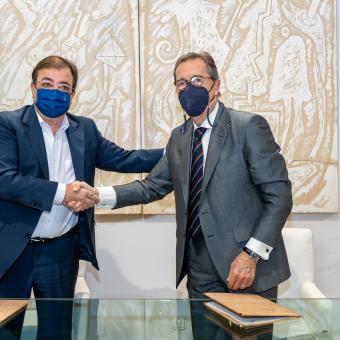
(246, 192)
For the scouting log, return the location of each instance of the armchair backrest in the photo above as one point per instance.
(299, 247)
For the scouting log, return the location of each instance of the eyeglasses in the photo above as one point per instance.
(48, 84)
(181, 84)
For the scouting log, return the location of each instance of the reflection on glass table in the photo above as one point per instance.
(186, 320)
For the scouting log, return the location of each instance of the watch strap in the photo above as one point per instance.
(252, 254)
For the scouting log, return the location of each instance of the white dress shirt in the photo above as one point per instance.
(108, 195)
(60, 219)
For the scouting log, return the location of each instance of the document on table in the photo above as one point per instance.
(10, 308)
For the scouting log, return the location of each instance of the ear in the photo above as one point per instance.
(34, 92)
(217, 87)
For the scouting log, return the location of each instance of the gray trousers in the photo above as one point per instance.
(203, 276)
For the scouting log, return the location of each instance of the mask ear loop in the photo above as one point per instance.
(208, 111)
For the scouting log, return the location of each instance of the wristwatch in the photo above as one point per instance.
(252, 254)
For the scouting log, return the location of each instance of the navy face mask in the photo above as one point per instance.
(194, 99)
(53, 103)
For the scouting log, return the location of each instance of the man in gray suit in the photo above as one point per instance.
(231, 187)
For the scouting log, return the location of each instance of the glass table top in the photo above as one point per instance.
(162, 319)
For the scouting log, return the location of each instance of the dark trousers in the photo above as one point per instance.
(51, 269)
(203, 277)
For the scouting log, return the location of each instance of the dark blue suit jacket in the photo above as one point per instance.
(25, 188)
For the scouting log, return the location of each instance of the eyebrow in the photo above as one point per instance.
(62, 82)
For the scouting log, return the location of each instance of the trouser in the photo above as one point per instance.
(51, 269)
(203, 277)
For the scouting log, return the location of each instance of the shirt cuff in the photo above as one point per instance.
(107, 197)
(260, 248)
(60, 194)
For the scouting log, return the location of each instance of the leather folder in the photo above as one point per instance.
(10, 308)
(248, 310)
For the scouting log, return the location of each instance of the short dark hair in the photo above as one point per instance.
(205, 56)
(54, 61)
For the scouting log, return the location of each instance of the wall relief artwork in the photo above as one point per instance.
(101, 37)
(275, 57)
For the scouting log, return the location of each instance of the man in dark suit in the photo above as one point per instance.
(231, 186)
(43, 151)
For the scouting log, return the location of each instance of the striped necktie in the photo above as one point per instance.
(196, 181)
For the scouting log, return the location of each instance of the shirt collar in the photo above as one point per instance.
(64, 125)
(212, 116)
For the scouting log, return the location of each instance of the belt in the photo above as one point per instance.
(41, 240)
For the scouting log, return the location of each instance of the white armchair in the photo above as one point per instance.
(82, 290)
(300, 251)
(299, 246)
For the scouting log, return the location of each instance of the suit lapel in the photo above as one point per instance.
(185, 142)
(216, 144)
(76, 140)
(35, 137)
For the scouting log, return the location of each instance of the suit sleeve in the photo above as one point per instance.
(154, 187)
(16, 187)
(269, 173)
(111, 157)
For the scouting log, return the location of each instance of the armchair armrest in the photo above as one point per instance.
(309, 290)
(314, 300)
(82, 290)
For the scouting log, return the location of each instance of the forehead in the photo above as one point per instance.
(56, 74)
(191, 67)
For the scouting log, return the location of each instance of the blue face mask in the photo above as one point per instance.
(53, 103)
(194, 99)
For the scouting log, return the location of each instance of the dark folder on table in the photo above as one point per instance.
(10, 308)
(248, 310)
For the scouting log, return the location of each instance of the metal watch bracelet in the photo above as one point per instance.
(252, 254)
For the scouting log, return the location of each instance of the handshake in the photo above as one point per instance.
(80, 196)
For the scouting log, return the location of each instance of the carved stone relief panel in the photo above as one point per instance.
(275, 58)
(101, 38)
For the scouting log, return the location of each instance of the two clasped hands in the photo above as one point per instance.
(80, 196)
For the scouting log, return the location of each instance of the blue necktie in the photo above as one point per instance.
(196, 181)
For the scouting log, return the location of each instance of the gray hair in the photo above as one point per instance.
(205, 56)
